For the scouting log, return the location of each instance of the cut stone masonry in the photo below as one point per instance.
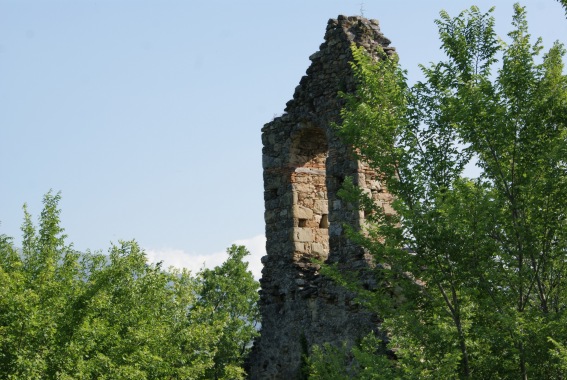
(305, 165)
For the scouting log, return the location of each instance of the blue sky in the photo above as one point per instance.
(146, 115)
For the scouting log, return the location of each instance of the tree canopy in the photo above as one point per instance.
(476, 268)
(68, 315)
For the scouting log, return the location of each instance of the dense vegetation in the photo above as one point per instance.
(473, 270)
(67, 315)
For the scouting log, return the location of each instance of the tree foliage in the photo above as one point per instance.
(477, 268)
(65, 315)
(229, 298)
(564, 3)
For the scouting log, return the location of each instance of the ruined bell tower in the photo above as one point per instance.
(305, 165)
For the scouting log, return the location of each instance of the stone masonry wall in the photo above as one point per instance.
(304, 166)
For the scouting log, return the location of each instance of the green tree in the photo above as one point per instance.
(65, 315)
(229, 296)
(476, 268)
(361, 362)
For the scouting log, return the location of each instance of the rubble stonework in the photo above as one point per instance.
(304, 166)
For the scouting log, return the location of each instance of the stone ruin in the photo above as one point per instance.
(305, 165)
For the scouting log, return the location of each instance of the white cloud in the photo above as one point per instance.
(179, 258)
(257, 248)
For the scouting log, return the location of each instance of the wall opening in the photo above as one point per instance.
(310, 202)
(324, 221)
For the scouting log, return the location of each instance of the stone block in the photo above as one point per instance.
(337, 205)
(301, 234)
(375, 185)
(302, 212)
(388, 210)
(317, 248)
(269, 216)
(321, 206)
(361, 180)
(299, 247)
(335, 229)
